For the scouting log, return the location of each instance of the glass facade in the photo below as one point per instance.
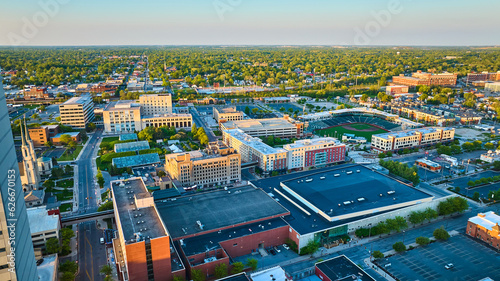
(25, 265)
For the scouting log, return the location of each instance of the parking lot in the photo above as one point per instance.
(471, 261)
(462, 182)
(55, 153)
(271, 259)
(277, 107)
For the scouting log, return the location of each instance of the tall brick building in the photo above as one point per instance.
(485, 227)
(423, 78)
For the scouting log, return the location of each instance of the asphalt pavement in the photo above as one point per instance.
(91, 254)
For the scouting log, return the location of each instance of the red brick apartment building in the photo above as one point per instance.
(423, 78)
(485, 227)
(483, 76)
(36, 93)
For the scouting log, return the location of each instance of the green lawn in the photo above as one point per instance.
(66, 207)
(64, 195)
(71, 156)
(65, 183)
(108, 139)
(339, 131)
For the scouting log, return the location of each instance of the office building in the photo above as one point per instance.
(423, 78)
(142, 245)
(77, 112)
(28, 167)
(340, 268)
(284, 127)
(492, 87)
(396, 91)
(217, 165)
(43, 134)
(129, 116)
(485, 227)
(122, 117)
(156, 104)
(17, 258)
(227, 114)
(483, 76)
(395, 141)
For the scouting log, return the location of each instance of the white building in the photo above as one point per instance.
(42, 226)
(128, 116)
(284, 127)
(490, 156)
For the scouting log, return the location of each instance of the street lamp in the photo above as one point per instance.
(404, 236)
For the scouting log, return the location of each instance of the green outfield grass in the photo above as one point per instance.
(340, 130)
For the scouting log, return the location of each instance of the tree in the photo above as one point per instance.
(399, 247)
(441, 234)
(65, 139)
(197, 275)
(247, 110)
(68, 276)
(69, 266)
(254, 110)
(237, 267)
(364, 97)
(67, 233)
(422, 241)
(106, 270)
(489, 146)
(252, 263)
(220, 270)
(194, 129)
(400, 223)
(430, 214)
(68, 169)
(48, 144)
(161, 173)
(470, 183)
(52, 245)
(378, 254)
(475, 197)
(178, 278)
(282, 109)
(100, 179)
(416, 217)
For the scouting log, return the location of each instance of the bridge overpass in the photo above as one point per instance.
(75, 219)
(249, 165)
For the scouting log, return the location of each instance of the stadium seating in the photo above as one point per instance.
(350, 119)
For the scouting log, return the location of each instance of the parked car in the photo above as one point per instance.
(286, 247)
(277, 249)
(273, 252)
(449, 266)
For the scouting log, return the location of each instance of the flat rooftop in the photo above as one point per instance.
(41, 221)
(299, 220)
(78, 100)
(342, 268)
(136, 160)
(47, 270)
(487, 220)
(259, 124)
(208, 242)
(124, 137)
(144, 221)
(237, 277)
(131, 146)
(350, 192)
(216, 210)
(253, 142)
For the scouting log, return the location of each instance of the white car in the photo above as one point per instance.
(449, 266)
(286, 247)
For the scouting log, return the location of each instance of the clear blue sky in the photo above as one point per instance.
(250, 22)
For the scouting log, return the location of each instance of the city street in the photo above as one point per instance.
(91, 254)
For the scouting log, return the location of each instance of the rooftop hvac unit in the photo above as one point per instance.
(391, 192)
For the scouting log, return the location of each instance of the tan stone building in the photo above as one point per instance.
(395, 141)
(227, 114)
(77, 112)
(156, 104)
(217, 165)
